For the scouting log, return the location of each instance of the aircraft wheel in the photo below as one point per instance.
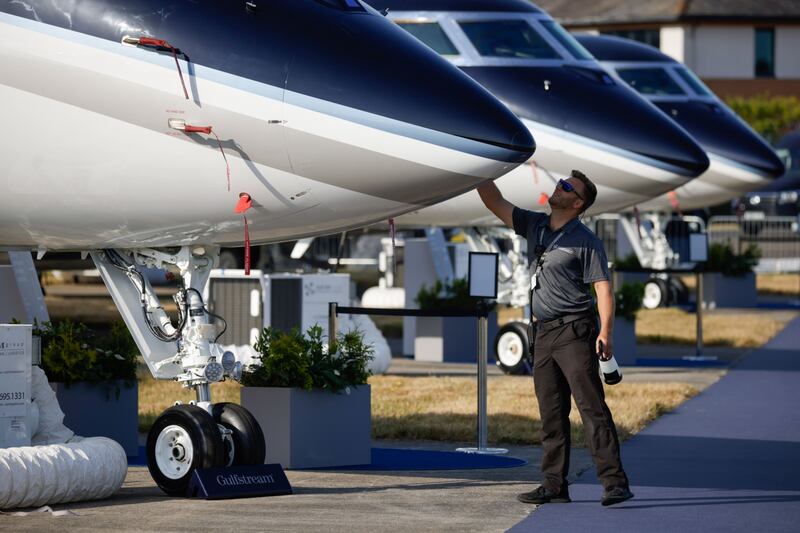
(246, 445)
(184, 438)
(511, 348)
(655, 294)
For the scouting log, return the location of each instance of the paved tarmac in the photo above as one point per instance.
(726, 460)
(447, 500)
(485, 500)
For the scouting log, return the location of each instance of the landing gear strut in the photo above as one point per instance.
(185, 437)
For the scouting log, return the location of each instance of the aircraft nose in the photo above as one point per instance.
(365, 67)
(719, 131)
(587, 102)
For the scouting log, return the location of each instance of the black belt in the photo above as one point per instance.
(561, 321)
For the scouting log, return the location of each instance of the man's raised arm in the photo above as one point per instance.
(493, 199)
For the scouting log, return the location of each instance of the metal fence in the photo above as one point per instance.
(777, 238)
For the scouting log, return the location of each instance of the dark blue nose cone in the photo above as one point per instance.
(366, 62)
(720, 132)
(587, 102)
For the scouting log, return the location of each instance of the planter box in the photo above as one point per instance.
(727, 291)
(451, 339)
(309, 429)
(95, 410)
(625, 341)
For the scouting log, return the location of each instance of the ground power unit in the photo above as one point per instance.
(282, 301)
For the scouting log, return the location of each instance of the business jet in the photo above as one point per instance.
(582, 118)
(741, 161)
(151, 134)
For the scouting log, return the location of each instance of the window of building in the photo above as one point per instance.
(432, 35)
(765, 52)
(508, 38)
(651, 37)
(654, 81)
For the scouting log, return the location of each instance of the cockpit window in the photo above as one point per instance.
(432, 35)
(508, 38)
(566, 40)
(654, 81)
(693, 81)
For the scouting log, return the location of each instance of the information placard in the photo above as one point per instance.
(483, 274)
(15, 370)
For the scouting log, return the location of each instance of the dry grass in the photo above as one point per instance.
(443, 408)
(675, 326)
(782, 284)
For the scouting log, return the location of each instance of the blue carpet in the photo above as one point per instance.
(402, 459)
(139, 460)
(726, 460)
(679, 362)
(779, 305)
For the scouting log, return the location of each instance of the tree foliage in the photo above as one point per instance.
(770, 116)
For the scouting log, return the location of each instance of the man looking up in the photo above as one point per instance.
(566, 259)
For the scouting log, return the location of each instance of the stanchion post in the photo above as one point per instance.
(333, 325)
(483, 361)
(482, 313)
(699, 285)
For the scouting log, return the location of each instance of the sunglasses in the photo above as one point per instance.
(568, 187)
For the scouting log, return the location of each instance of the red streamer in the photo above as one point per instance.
(161, 43)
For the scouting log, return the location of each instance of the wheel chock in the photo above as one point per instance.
(244, 481)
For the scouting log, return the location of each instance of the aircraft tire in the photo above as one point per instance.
(511, 348)
(183, 439)
(655, 294)
(249, 447)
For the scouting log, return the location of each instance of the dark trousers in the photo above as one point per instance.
(565, 362)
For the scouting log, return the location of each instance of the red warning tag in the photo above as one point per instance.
(245, 203)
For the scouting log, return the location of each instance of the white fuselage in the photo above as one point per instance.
(89, 160)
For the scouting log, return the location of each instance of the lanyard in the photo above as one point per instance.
(545, 251)
(542, 256)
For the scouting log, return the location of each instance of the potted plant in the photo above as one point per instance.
(94, 378)
(449, 339)
(729, 280)
(628, 301)
(313, 404)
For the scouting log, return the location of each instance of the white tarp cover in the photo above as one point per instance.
(61, 467)
(90, 469)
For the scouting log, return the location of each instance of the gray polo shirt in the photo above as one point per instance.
(577, 259)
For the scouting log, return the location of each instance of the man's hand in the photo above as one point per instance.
(604, 347)
(605, 306)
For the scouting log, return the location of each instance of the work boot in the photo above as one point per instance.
(616, 495)
(542, 495)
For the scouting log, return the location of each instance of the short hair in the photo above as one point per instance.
(591, 189)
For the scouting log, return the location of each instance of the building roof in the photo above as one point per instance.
(606, 12)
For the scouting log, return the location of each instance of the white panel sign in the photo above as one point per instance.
(698, 247)
(15, 384)
(15, 370)
(483, 275)
(318, 291)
